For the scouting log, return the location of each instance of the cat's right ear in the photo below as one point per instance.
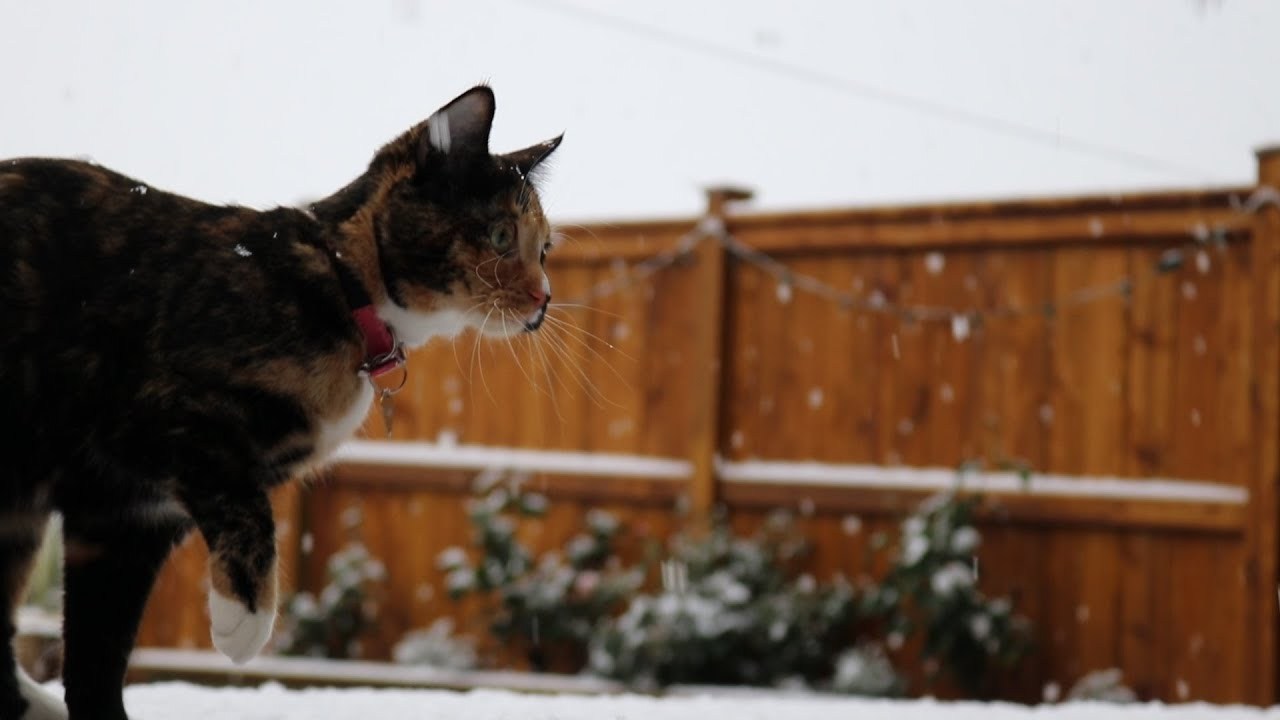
(459, 131)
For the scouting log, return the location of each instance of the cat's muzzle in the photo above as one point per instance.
(535, 320)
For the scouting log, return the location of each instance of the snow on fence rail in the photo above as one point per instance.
(939, 479)
(429, 456)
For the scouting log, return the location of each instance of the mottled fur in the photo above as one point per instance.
(164, 363)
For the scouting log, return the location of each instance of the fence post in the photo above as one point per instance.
(1265, 510)
(708, 346)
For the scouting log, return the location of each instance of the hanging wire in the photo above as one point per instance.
(926, 107)
(962, 320)
(683, 247)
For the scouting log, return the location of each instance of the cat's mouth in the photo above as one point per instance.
(535, 320)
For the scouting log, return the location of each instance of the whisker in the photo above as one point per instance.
(580, 374)
(600, 356)
(579, 306)
(575, 370)
(546, 370)
(565, 324)
(476, 348)
(547, 366)
(506, 335)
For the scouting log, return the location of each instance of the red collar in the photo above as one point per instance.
(382, 352)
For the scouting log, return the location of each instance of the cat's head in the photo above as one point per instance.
(460, 232)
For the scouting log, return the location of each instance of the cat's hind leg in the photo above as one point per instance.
(20, 697)
(111, 563)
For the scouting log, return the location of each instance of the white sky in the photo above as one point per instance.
(268, 103)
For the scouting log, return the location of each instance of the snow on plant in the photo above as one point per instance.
(742, 614)
(866, 670)
(932, 586)
(554, 600)
(436, 646)
(331, 624)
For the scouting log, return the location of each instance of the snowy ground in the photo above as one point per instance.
(273, 702)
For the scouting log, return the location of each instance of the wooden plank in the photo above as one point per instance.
(1264, 539)
(1087, 230)
(586, 488)
(1086, 422)
(706, 359)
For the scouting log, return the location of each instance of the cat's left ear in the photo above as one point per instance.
(527, 160)
(459, 131)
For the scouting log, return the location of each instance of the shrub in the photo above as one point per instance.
(330, 625)
(733, 611)
(556, 602)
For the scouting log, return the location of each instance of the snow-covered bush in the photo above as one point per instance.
(1102, 686)
(436, 646)
(866, 670)
(932, 586)
(743, 613)
(737, 611)
(330, 625)
(553, 602)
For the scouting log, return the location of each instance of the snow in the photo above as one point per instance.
(935, 479)
(274, 702)
(480, 457)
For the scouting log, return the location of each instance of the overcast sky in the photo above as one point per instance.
(814, 104)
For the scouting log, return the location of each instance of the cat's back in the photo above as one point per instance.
(40, 196)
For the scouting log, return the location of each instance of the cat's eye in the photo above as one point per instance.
(501, 237)
(545, 248)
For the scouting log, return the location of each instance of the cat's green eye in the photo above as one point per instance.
(501, 237)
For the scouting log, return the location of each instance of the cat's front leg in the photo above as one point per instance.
(240, 532)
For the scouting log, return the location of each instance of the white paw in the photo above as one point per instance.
(238, 633)
(41, 705)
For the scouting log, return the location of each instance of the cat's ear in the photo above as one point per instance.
(527, 160)
(458, 131)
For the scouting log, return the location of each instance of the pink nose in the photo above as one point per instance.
(539, 296)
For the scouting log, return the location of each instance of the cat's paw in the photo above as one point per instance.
(41, 704)
(238, 633)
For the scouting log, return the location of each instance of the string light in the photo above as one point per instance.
(962, 321)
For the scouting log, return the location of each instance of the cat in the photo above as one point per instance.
(164, 363)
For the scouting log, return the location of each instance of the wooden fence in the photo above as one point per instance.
(1145, 396)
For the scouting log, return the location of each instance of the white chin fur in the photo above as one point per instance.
(415, 328)
(41, 705)
(238, 633)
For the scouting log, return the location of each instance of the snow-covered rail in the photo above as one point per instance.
(429, 456)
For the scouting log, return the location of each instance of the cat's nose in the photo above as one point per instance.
(541, 296)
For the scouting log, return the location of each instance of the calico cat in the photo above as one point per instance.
(164, 363)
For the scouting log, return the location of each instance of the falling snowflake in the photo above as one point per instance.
(815, 398)
(1082, 614)
(1096, 228)
(1189, 290)
(934, 262)
(946, 393)
(139, 189)
(1046, 414)
(1202, 262)
(242, 251)
(784, 292)
(960, 327)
